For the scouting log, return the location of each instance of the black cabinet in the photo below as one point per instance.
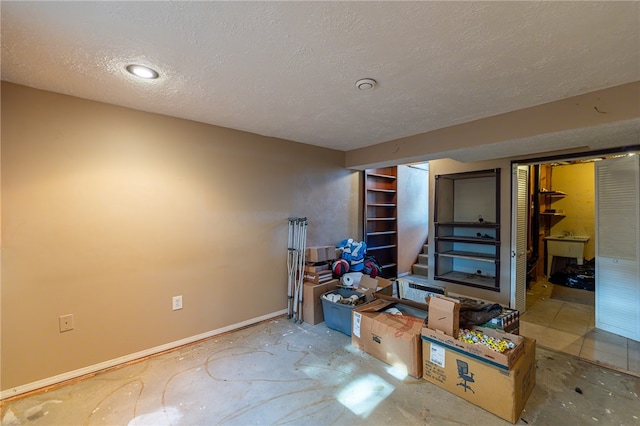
(467, 228)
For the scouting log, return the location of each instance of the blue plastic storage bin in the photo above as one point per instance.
(336, 315)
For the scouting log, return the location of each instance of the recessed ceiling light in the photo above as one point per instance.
(142, 71)
(366, 84)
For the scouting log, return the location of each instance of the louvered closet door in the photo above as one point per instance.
(618, 246)
(519, 239)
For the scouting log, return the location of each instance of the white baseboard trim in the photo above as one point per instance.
(131, 357)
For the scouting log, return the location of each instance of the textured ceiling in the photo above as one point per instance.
(288, 69)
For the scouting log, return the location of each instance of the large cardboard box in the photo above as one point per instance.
(393, 339)
(311, 302)
(320, 254)
(504, 360)
(501, 392)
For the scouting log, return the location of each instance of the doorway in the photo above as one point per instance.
(561, 239)
(559, 286)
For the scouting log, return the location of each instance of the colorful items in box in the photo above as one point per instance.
(475, 337)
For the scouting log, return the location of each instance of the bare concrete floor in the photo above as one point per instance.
(279, 373)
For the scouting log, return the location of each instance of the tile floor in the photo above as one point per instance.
(570, 328)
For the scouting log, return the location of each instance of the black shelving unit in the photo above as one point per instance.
(467, 229)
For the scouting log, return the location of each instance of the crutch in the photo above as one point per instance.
(291, 265)
(301, 249)
(296, 260)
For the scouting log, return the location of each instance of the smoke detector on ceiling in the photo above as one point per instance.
(366, 84)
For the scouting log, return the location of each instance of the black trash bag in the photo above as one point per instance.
(559, 278)
(477, 313)
(577, 276)
(585, 269)
(581, 282)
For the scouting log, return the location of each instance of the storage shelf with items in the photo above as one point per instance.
(549, 198)
(380, 217)
(551, 215)
(467, 229)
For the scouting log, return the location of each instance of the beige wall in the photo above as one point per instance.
(108, 212)
(413, 214)
(439, 167)
(578, 182)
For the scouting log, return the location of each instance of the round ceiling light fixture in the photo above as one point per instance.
(143, 71)
(366, 84)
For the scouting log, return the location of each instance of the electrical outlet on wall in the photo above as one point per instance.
(177, 303)
(65, 322)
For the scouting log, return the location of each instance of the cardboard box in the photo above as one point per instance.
(501, 392)
(393, 339)
(504, 360)
(320, 254)
(417, 305)
(316, 267)
(371, 287)
(385, 287)
(444, 315)
(311, 303)
(317, 277)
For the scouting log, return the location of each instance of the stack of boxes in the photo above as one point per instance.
(499, 382)
(317, 267)
(423, 341)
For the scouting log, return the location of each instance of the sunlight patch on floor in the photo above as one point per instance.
(399, 371)
(364, 394)
(163, 417)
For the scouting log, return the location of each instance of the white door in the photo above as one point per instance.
(519, 238)
(618, 246)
